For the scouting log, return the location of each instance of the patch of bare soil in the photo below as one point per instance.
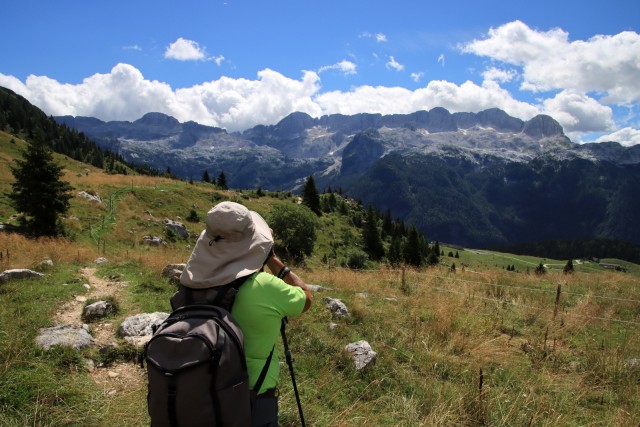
(119, 376)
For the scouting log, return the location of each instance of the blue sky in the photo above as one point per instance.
(235, 64)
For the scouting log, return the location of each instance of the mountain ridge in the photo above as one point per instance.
(478, 179)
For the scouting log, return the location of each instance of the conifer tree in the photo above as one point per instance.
(38, 191)
(371, 235)
(387, 223)
(413, 250)
(568, 268)
(395, 251)
(205, 176)
(310, 196)
(221, 182)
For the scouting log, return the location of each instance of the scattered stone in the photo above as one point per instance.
(113, 374)
(333, 325)
(632, 363)
(80, 298)
(90, 365)
(362, 295)
(91, 197)
(46, 263)
(153, 241)
(177, 227)
(362, 354)
(18, 273)
(391, 299)
(101, 260)
(86, 286)
(66, 336)
(139, 329)
(98, 310)
(336, 307)
(173, 272)
(318, 288)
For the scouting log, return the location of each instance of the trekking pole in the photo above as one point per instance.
(287, 353)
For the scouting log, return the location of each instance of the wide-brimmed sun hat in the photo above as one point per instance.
(235, 243)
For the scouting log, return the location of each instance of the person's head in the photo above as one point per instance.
(235, 243)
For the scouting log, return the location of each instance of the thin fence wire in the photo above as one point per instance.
(546, 310)
(475, 282)
(551, 291)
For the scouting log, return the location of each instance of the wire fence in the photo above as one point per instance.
(556, 291)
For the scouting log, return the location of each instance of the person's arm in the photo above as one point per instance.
(276, 266)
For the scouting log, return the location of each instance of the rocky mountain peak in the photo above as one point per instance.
(158, 120)
(542, 126)
(499, 120)
(294, 124)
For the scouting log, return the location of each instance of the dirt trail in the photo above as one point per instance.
(118, 377)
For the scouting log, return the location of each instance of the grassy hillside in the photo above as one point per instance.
(478, 346)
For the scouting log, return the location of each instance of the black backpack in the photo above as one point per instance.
(197, 372)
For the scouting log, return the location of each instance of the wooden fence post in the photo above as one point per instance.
(555, 308)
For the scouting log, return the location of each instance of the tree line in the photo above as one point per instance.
(383, 237)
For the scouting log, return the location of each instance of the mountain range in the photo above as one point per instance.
(478, 179)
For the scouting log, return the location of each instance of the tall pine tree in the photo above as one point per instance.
(38, 191)
(310, 196)
(371, 235)
(221, 182)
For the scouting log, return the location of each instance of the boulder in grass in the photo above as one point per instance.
(138, 329)
(173, 272)
(177, 227)
(336, 307)
(66, 336)
(362, 354)
(153, 241)
(98, 310)
(18, 273)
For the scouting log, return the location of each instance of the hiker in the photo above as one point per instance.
(235, 246)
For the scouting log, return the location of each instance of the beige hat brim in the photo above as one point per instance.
(218, 263)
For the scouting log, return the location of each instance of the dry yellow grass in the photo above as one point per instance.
(21, 252)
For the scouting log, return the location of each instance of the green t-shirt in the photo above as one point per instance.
(261, 303)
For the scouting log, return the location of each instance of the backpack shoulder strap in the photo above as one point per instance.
(263, 373)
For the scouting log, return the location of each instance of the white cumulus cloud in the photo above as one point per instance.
(381, 38)
(604, 64)
(579, 113)
(627, 136)
(124, 94)
(185, 50)
(438, 93)
(416, 77)
(498, 75)
(218, 59)
(344, 66)
(394, 64)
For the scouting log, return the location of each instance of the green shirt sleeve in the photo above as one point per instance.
(261, 303)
